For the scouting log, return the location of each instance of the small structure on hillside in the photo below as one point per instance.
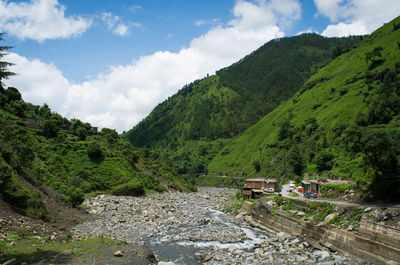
(316, 184)
(254, 188)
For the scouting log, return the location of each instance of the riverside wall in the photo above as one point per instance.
(373, 243)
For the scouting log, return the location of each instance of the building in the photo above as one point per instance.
(316, 184)
(254, 188)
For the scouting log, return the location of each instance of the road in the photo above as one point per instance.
(288, 194)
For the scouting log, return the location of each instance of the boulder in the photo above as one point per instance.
(119, 253)
(329, 218)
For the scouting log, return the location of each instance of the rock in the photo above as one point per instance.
(350, 228)
(165, 263)
(10, 262)
(203, 256)
(239, 218)
(300, 213)
(119, 253)
(248, 218)
(367, 210)
(321, 253)
(329, 218)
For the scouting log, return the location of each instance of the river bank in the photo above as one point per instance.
(192, 228)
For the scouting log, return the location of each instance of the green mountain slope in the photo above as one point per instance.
(41, 150)
(224, 105)
(306, 133)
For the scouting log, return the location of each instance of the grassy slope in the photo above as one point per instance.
(331, 109)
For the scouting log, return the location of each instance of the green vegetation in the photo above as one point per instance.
(192, 126)
(32, 249)
(40, 148)
(343, 121)
(336, 190)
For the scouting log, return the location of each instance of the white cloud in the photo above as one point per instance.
(40, 20)
(116, 26)
(355, 17)
(126, 94)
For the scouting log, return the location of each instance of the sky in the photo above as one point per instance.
(111, 62)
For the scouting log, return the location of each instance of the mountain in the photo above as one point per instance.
(45, 158)
(343, 121)
(226, 104)
(194, 124)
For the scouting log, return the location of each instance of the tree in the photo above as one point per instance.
(4, 72)
(50, 128)
(82, 133)
(296, 161)
(324, 161)
(94, 150)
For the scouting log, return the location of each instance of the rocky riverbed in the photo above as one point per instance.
(192, 228)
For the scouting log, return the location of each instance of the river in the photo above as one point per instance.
(191, 228)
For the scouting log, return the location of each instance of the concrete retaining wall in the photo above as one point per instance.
(368, 245)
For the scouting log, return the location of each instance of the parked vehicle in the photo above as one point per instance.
(270, 190)
(309, 195)
(292, 187)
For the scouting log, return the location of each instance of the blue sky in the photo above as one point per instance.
(111, 62)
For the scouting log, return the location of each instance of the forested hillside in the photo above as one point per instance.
(41, 151)
(226, 104)
(193, 125)
(343, 121)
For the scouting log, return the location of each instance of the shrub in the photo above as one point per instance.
(129, 189)
(75, 196)
(334, 191)
(94, 150)
(50, 128)
(279, 200)
(82, 133)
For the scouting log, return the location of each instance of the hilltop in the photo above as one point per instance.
(343, 121)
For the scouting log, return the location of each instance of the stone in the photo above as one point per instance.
(321, 253)
(329, 218)
(203, 256)
(119, 253)
(300, 213)
(350, 228)
(367, 210)
(239, 218)
(165, 263)
(10, 262)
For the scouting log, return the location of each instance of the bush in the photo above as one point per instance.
(50, 128)
(334, 191)
(75, 196)
(129, 189)
(82, 133)
(94, 150)
(279, 200)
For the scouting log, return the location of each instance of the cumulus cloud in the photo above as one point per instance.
(40, 20)
(356, 17)
(126, 94)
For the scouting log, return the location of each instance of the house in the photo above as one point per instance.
(254, 188)
(316, 184)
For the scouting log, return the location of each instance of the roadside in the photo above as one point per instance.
(288, 194)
